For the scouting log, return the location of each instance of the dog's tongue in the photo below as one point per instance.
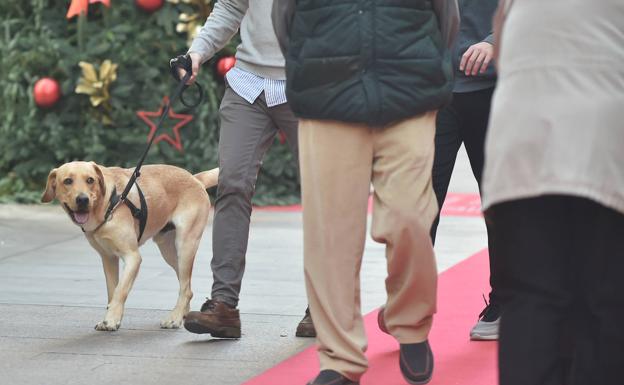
(81, 218)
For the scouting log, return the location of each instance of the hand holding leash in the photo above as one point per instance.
(184, 68)
(194, 66)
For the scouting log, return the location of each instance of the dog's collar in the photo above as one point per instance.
(138, 213)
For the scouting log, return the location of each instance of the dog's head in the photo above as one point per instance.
(80, 188)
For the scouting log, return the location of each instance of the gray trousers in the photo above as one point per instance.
(247, 132)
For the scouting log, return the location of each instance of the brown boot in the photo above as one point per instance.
(306, 326)
(216, 318)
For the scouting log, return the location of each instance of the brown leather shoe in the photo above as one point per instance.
(216, 318)
(306, 326)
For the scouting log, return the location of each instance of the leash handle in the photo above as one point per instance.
(184, 62)
(180, 62)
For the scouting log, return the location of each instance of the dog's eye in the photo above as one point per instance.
(90, 180)
(68, 181)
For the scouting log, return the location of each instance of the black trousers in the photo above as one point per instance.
(465, 120)
(562, 270)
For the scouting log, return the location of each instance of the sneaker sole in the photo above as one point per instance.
(420, 382)
(483, 337)
(224, 332)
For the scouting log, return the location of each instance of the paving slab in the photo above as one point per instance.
(60, 344)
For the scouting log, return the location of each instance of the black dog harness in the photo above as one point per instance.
(140, 213)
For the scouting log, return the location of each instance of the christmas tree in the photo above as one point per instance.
(110, 60)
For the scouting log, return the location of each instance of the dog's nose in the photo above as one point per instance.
(82, 200)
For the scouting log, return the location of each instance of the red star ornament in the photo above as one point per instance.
(183, 120)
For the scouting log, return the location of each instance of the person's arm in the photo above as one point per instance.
(447, 12)
(489, 38)
(222, 24)
(282, 15)
(478, 56)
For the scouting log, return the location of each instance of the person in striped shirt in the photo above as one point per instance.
(253, 109)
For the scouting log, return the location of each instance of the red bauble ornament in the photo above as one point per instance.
(225, 64)
(46, 92)
(149, 5)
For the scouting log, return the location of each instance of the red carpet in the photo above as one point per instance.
(458, 361)
(462, 205)
(455, 204)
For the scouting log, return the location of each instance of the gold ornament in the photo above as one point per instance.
(97, 86)
(192, 23)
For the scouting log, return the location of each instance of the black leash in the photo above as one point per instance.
(181, 62)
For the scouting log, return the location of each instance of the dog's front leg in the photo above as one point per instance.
(114, 313)
(110, 262)
(111, 272)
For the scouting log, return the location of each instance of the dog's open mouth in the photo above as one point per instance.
(79, 217)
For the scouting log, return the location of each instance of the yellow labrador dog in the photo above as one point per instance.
(178, 207)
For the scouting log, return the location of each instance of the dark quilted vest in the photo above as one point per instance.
(366, 61)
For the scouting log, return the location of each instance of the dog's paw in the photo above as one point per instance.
(108, 326)
(170, 323)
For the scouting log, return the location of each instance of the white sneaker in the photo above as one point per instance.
(487, 327)
(485, 331)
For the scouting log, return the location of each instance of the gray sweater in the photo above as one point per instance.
(259, 52)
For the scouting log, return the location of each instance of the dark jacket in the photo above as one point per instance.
(366, 61)
(475, 27)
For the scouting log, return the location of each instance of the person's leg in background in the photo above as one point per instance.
(533, 237)
(403, 159)
(247, 132)
(473, 110)
(286, 121)
(336, 163)
(447, 143)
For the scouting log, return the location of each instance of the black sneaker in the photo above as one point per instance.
(332, 377)
(416, 362)
(486, 328)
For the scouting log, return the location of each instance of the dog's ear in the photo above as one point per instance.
(50, 190)
(101, 182)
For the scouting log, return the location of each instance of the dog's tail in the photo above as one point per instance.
(208, 178)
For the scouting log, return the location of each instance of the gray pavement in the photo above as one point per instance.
(52, 293)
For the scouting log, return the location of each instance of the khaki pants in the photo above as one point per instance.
(338, 163)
